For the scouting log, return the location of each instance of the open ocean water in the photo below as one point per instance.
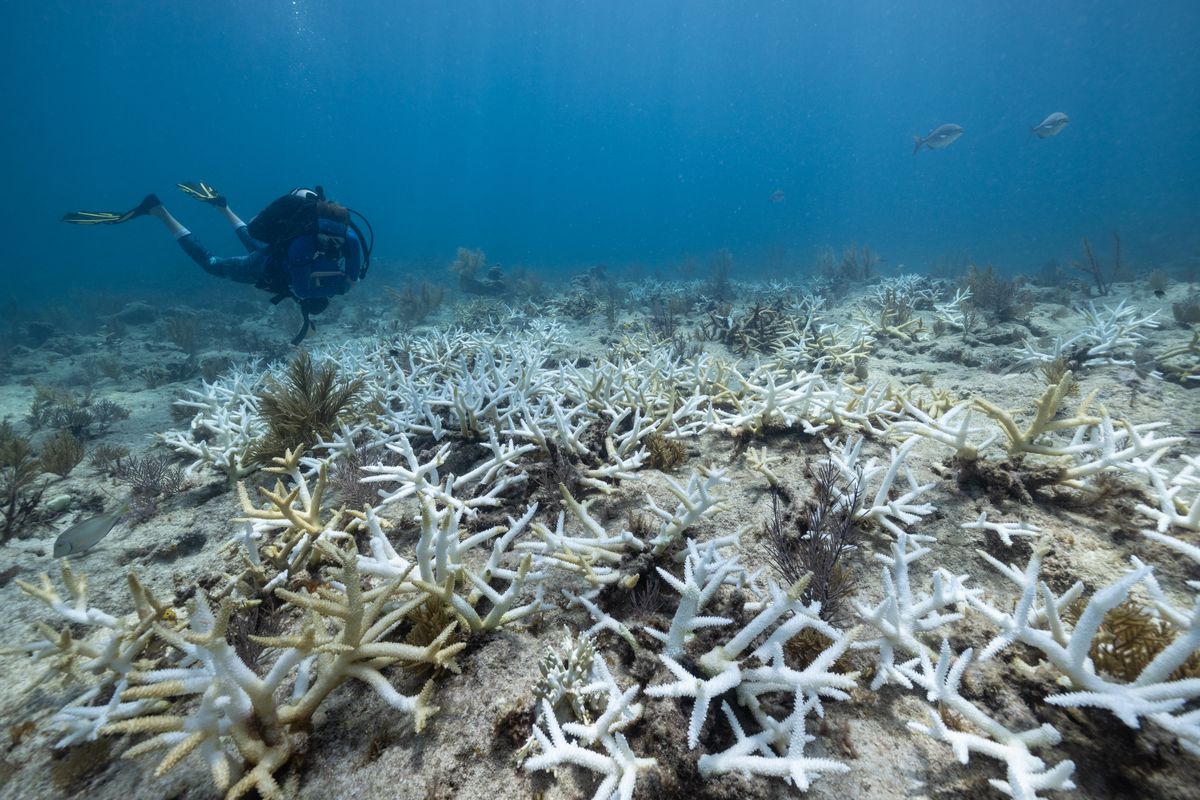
(644, 135)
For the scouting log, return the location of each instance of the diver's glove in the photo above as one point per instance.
(204, 193)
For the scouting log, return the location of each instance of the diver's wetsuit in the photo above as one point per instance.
(250, 268)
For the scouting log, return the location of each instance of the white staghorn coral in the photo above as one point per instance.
(583, 676)
(225, 426)
(951, 312)
(777, 749)
(957, 436)
(704, 573)
(699, 500)
(1110, 445)
(594, 553)
(440, 567)
(1026, 774)
(769, 401)
(1175, 509)
(879, 505)
(900, 618)
(1005, 530)
(1151, 694)
(1109, 338)
(617, 764)
(755, 755)
(414, 476)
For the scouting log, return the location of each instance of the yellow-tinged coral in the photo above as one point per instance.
(261, 733)
(1044, 421)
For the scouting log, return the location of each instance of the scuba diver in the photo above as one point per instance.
(301, 246)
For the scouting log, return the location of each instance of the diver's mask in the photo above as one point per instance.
(309, 194)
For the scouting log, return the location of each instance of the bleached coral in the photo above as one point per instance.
(902, 617)
(752, 672)
(460, 421)
(1152, 694)
(756, 755)
(618, 764)
(1109, 338)
(700, 499)
(887, 505)
(578, 673)
(1005, 530)
(704, 572)
(1178, 499)
(440, 568)
(593, 554)
(951, 312)
(956, 436)
(237, 723)
(224, 428)
(1026, 774)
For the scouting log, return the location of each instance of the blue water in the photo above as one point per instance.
(559, 134)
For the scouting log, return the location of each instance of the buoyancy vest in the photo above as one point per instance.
(313, 258)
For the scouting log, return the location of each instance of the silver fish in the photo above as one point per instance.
(1051, 125)
(939, 137)
(82, 535)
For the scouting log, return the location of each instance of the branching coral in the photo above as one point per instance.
(1044, 422)
(1178, 498)
(1152, 694)
(238, 723)
(751, 673)
(699, 499)
(586, 678)
(888, 506)
(1111, 337)
(1182, 371)
(1026, 774)
(901, 617)
(891, 313)
(457, 434)
(761, 329)
(224, 428)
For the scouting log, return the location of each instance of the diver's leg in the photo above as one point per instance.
(243, 269)
(230, 217)
(251, 244)
(162, 215)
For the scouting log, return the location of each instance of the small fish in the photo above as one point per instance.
(939, 137)
(1051, 125)
(82, 535)
(777, 196)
